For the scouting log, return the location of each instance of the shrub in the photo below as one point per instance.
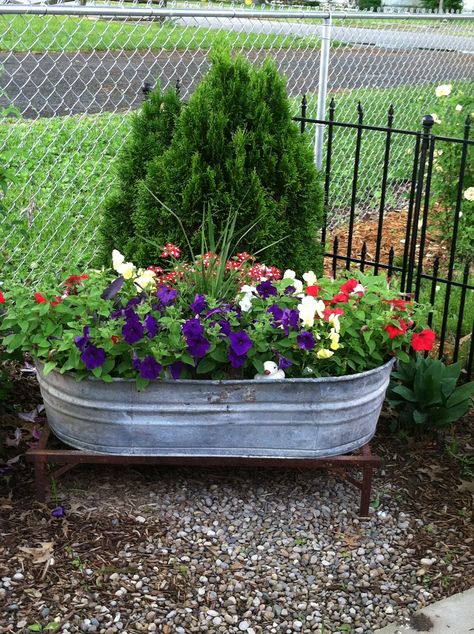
(234, 147)
(152, 129)
(424, 395)
(448, 5)
(453, 106)
(369, 5)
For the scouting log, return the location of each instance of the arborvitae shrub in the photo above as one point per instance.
(150, 136)
(234, 147)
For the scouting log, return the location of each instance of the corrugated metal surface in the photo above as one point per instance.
(275, 418)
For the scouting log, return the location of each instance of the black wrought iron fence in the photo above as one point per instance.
(441, 277)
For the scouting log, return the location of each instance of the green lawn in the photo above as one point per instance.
(37, 34)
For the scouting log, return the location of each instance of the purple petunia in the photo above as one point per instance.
(151, 325)
(284, 363)
(83, 342)
(93, 357)
(240, 342)
(192, 328)
(305, 340)
(199, 304)
(166, 295)
(225, 327)
(236, 360)
(58, 511)
(133, 331)
(290, 319)
(289, 290)
(149, 368)
(277, 313)
(265, 289)
(197, 346)
(175, 369)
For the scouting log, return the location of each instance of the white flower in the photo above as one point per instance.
(248, 289)
(310, 278)
(458, 108)
(438, 153)
(334, 321)
(359, 289)
(246, 303)
(324, 354)
(117, 259)
(126, 269)
(460, 214)
(308, 308)
(298, 284)
(289, 275)
(444, 90)
(436, 119)
(469, 193)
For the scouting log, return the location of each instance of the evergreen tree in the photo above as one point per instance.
(150, 136)
(234, 147)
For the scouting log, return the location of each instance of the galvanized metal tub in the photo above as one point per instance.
(286, 418)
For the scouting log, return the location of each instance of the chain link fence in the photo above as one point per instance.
(70, 77)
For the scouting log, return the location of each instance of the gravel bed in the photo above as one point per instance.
(212, 551)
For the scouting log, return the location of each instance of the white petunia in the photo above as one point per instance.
(444, 90)
(289, 275)
(310, 278)
(246, 303)
(469, 193)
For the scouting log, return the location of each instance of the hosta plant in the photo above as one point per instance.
(425, 394)
(172, 320)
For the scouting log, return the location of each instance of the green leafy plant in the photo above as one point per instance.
(448, 5)
(425, 395)
(234, 146)
(455, 107)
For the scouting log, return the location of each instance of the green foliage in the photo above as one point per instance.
(369, 5)
(453, 111)
(152, 130)
(235, 147)
(448, 5)
(425, 395)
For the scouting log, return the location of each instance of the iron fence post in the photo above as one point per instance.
(322, 90)
(428, 122)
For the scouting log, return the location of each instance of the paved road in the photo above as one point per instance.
(419, 36)
(61, 83)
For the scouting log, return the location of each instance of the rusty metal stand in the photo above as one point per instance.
(42, 456)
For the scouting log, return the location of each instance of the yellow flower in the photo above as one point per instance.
(324, 353)
(126, 269)
(308, 308)
(469, 193)
(444, 90)
(436, 119)
(334, 337)
(144, 279)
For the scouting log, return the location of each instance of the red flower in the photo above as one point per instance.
(312, 290)
(57, 300)
(396, 331)
(399, 304)
(244, 256)
(327, 312)
(349, 286)
(340, 298)
(423, 340)
(115, 339)
(72, 280)
(40, 299)
(170, 249)
(2, 298)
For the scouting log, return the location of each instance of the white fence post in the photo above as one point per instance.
(322, 89)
